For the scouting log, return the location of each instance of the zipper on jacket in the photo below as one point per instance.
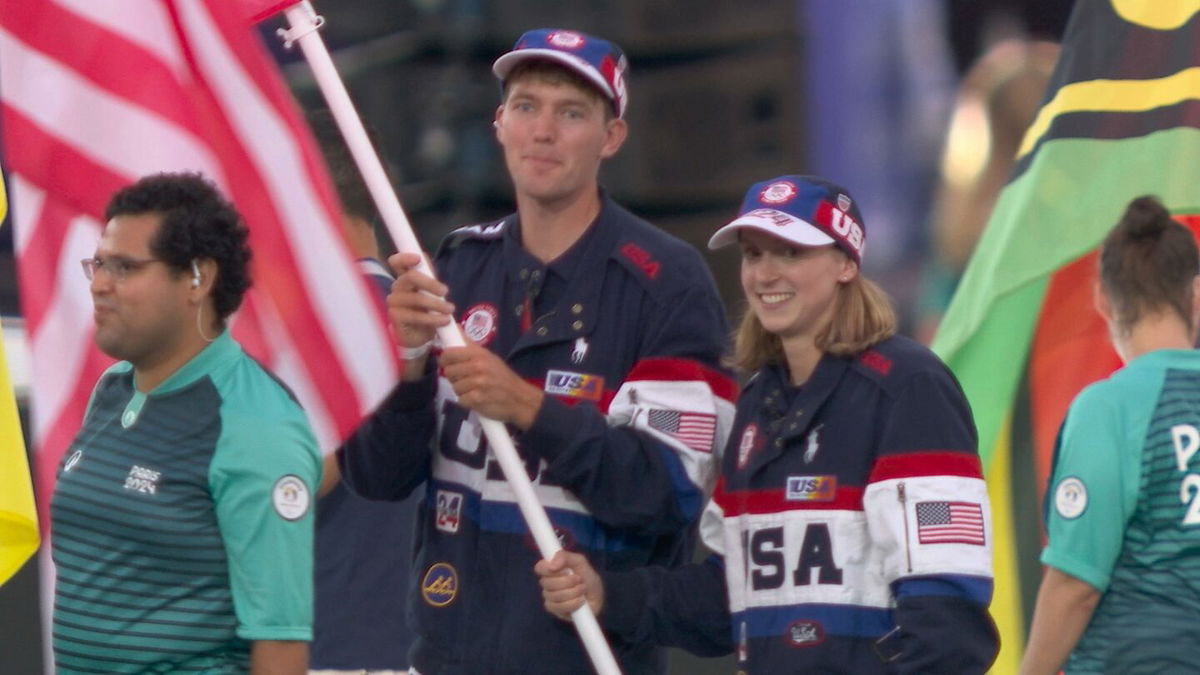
(904, 511)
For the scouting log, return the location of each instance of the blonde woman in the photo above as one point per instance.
(850, 527)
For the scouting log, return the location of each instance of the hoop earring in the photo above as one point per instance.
(200, 327)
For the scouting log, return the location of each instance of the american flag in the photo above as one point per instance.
(695, 430)
(94, 95)
(950, 523)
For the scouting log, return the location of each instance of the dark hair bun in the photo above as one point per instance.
(1145, 217)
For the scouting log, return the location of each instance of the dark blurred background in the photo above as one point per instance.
(911, 104)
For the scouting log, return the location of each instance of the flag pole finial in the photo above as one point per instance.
(309, 22)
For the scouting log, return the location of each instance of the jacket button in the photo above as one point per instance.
(577, 308)
(779, 442)
(541, 330)
(577, 325)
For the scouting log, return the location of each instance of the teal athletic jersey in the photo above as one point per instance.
(182, 527)
(1124, 515)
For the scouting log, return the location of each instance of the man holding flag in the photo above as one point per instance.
(596, 338)
(182, 520)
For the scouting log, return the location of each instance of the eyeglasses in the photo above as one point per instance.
(116, 268)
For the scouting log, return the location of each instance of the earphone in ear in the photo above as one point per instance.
(195, 275)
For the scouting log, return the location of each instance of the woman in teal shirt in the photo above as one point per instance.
(1121, 593)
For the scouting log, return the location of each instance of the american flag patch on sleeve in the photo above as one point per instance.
(695, 430)
(950, 523)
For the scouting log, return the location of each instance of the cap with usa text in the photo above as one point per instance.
(804, 210)
(597, 60)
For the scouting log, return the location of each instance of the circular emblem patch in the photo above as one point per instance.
(479, 323)
(780, 192)
(565, 39)
(746, 446)
(1070, 499)
(439, 586)
(805, 634)
(290, 497)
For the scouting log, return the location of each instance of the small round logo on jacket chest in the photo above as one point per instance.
(479, 323)
(746, 446)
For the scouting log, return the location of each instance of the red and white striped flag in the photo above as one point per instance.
(94, 95)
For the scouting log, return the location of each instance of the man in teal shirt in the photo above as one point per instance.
(1122, 587)
(182, 516)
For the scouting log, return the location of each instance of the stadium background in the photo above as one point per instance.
(723, 93)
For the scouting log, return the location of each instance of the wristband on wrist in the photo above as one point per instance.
(410, 353)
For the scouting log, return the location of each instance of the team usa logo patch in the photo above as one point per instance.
(290, 497)
(746, 445)
(439, 586)
(950, 523)
(1070, 498)
(479, 323)
(805, 633)
(574, 385)
(449, 511)
(811, 488)
(565, 39)
(843, 201)
(779, 192)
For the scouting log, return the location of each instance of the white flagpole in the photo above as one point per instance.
(304, 23)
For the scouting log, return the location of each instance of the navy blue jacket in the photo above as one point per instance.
(361, 570)
(624, 333)
(851, 528)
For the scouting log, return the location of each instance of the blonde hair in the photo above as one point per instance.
(862, 316)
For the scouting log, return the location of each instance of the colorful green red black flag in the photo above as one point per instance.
(1121, 118)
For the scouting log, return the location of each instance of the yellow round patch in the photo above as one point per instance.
(439, 586)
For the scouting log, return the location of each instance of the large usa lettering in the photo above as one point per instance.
(769, 566)
(462, 440)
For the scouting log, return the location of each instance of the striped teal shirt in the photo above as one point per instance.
(1124, 515)
(182, 521)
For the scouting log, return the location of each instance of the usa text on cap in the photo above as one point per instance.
(805, 210)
